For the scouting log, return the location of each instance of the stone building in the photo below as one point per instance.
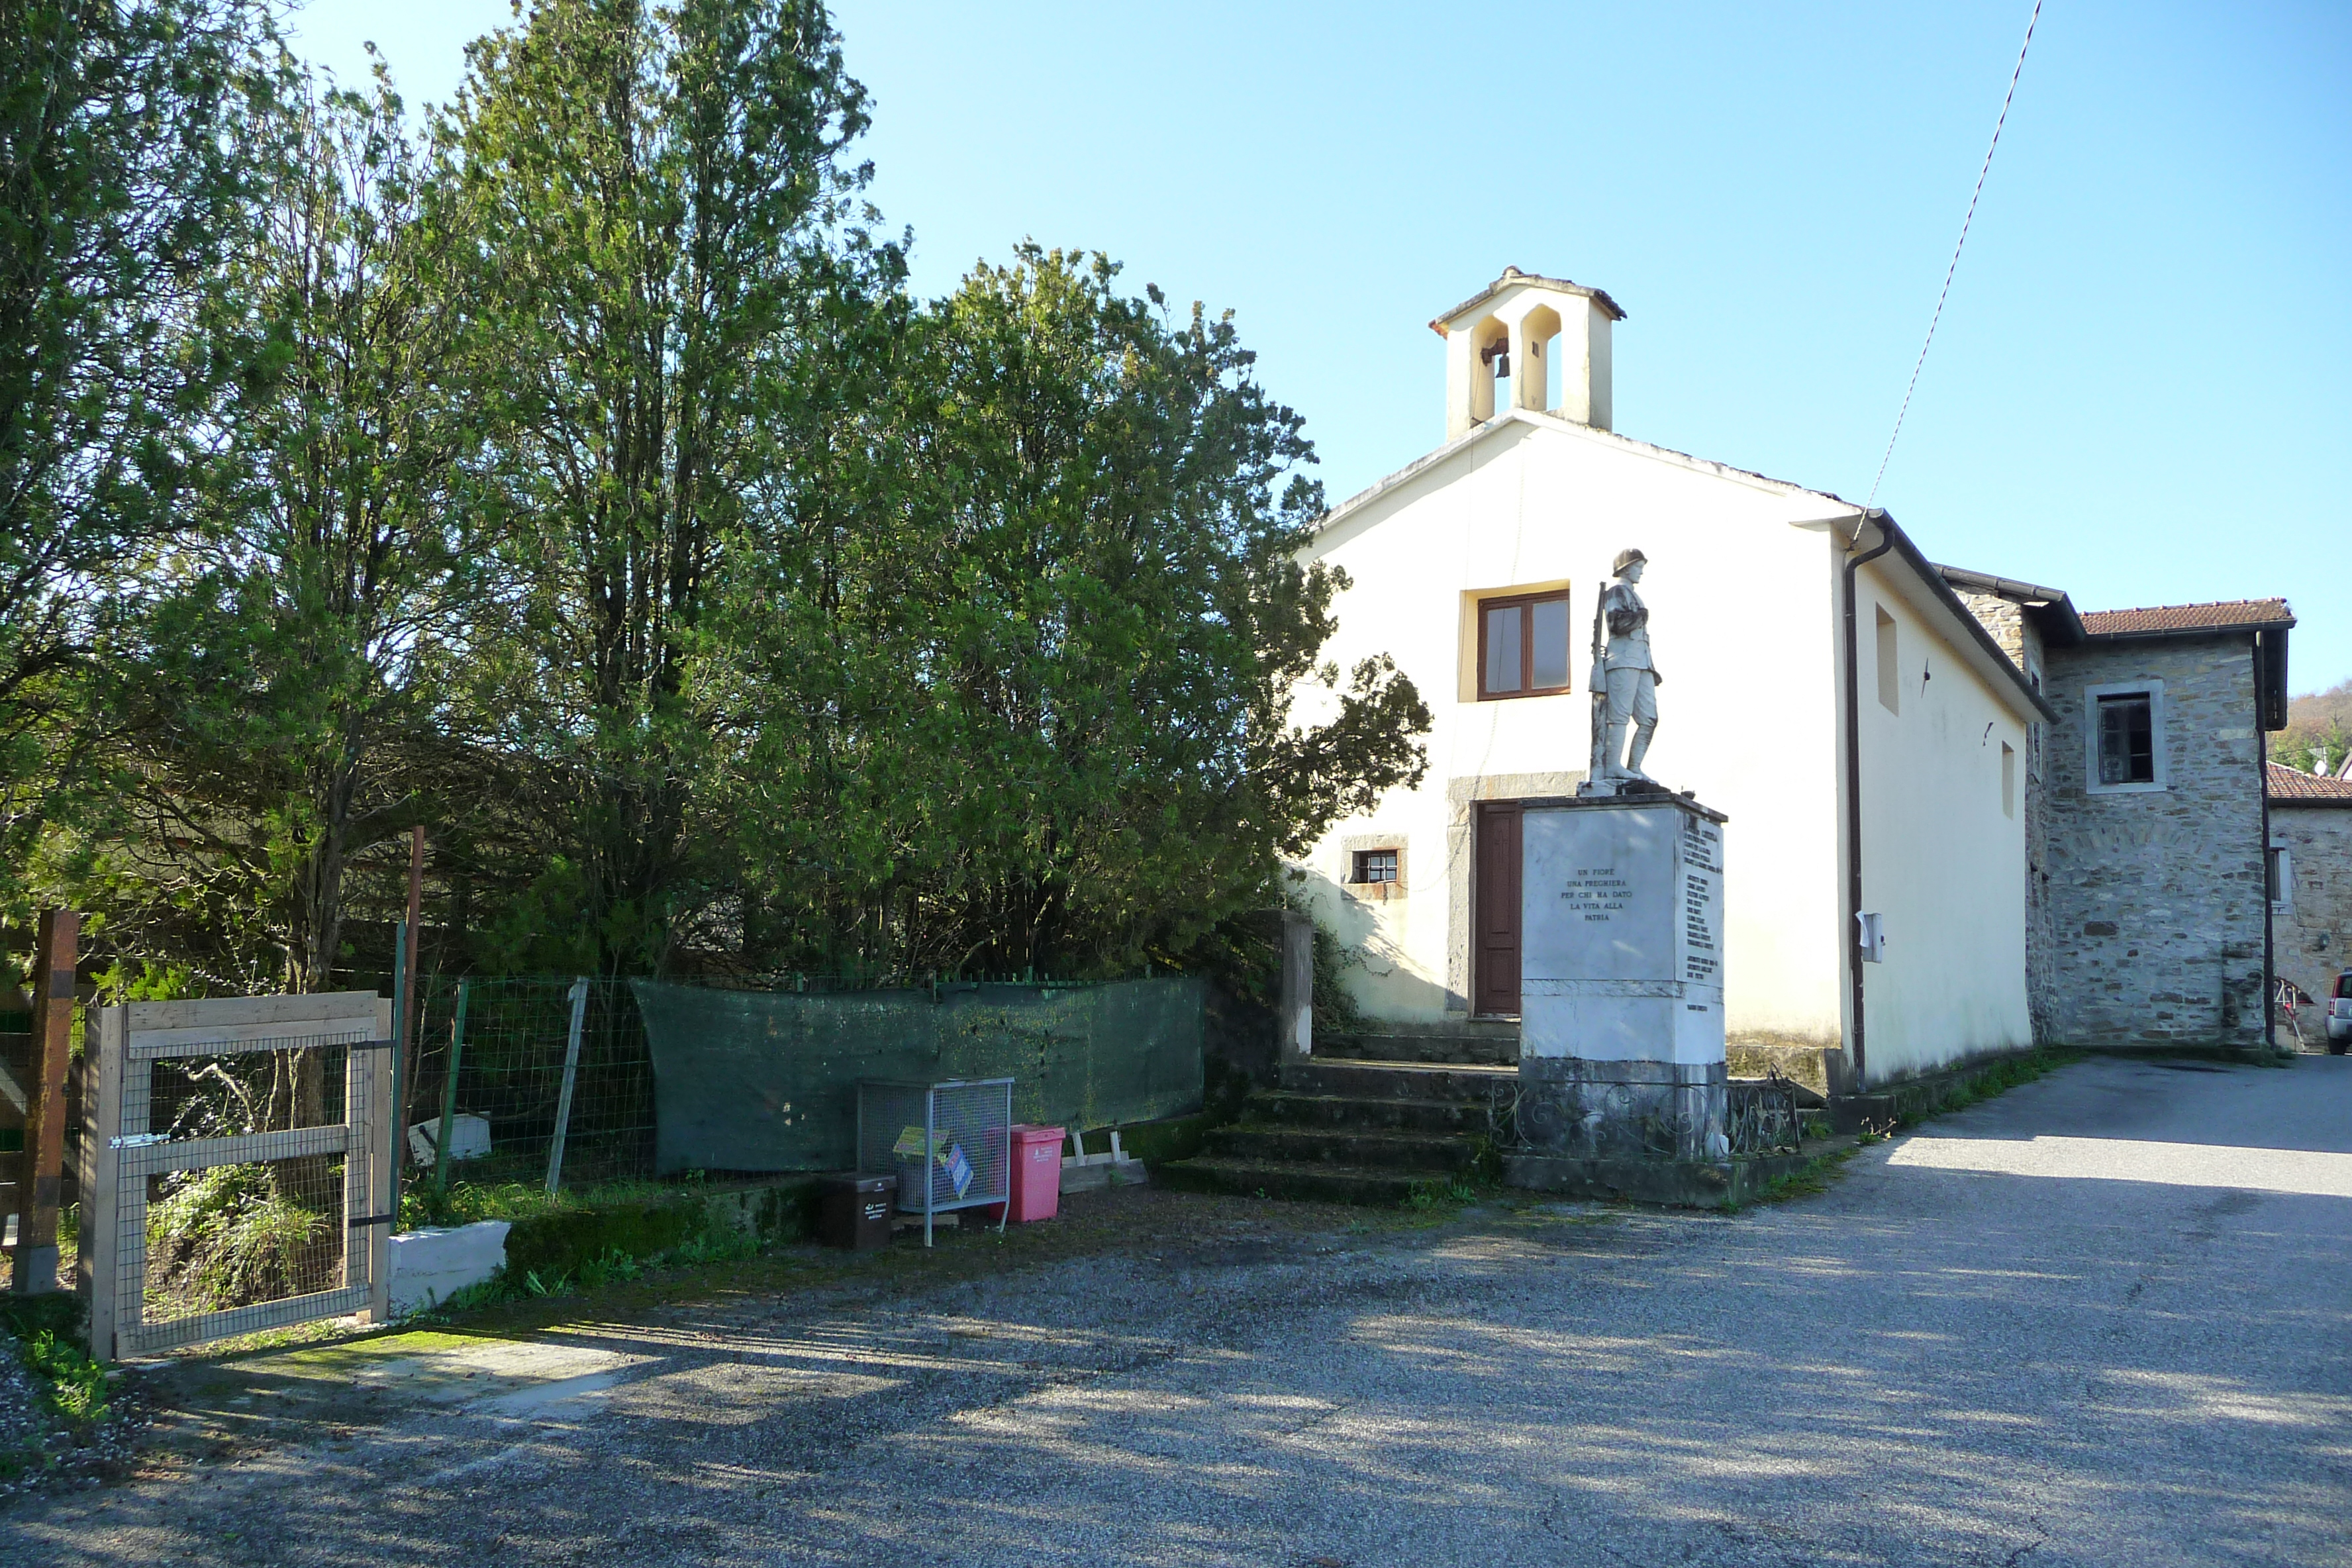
(2311, 876)
(2148, 914)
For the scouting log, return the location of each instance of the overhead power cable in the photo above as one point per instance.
(1955, 267)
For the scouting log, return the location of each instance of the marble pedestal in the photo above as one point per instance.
(1620, 979)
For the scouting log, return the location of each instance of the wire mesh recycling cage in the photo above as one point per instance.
(958, 1130)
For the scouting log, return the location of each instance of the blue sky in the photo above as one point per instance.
(2142, 387)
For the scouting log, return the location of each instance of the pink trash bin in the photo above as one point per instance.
(1036, 1173)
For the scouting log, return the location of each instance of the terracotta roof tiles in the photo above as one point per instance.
(2228, 615)
(2293, 784)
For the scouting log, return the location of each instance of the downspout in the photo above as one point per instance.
(1853, 934)
(2270, 894)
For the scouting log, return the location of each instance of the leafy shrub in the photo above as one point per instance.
(228, 1237)
(72, 1384)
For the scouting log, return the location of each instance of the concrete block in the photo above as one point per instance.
(430, 1266)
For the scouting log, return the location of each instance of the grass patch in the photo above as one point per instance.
(1998, 1078)
(1814, 1176)
(72, 1385)
(467, 1203)
(1809, 1179)
(1440, 1199)
(611, 1267)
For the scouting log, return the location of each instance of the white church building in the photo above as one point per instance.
(1821, 684)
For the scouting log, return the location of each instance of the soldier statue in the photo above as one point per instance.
(1624, 682)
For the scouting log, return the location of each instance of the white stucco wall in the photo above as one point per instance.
(1744, 626)
(1942, 862)
(1744, 623)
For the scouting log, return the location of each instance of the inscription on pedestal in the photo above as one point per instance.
(1620, 1024)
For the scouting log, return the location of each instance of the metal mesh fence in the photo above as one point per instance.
(242, 1235)
(520, 1084)
(767, 1081)
(16, 1077)
(754, 1081)
(238, 1186)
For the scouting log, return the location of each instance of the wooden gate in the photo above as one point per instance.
(284, 1237)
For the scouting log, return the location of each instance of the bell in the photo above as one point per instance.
(1503, 365)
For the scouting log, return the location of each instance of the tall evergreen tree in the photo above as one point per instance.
(126, 174)
(663, 287)
(282, 690)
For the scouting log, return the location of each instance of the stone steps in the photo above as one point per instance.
(1341, 1111)
(1383, 1150)
(1373, 1133)
(1497, 1049)
(1399, 1080)
(1296, 1181)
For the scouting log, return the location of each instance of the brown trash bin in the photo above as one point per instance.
(854, 1211)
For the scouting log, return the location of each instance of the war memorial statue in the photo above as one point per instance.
(1624, 684)
(1622, 1081)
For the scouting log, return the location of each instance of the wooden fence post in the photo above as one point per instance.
(44, 1103)
(105, 1044)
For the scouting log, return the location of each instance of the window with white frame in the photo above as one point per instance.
(2123, 736)
(2278, 870)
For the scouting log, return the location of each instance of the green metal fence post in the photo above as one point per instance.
(449, 1093)
(570, 1075)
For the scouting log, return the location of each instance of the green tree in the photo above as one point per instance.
(281, 692)
(667, 304)
(125, 175)
(1034, 705)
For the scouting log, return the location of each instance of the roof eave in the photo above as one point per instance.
(2162, 634)
(1932, 578)
(1512, 278)
(2052, 610)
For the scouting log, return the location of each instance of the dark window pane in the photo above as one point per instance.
(1376, 865)
(1549, 639)
(2126, 741)
(1503, 650)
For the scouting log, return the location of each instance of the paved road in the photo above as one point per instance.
(2102, 1320)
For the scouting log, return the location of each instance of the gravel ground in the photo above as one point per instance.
(39, 1454)
(23, 1429)
(2101, 1320)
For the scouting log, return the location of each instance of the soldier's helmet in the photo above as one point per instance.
(1626, 558)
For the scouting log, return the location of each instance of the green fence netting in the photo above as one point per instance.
(753, 1081)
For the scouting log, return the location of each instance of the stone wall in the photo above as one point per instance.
(2005, 621)
(2313, 933)
(2156, 898)
(1578, 1109)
